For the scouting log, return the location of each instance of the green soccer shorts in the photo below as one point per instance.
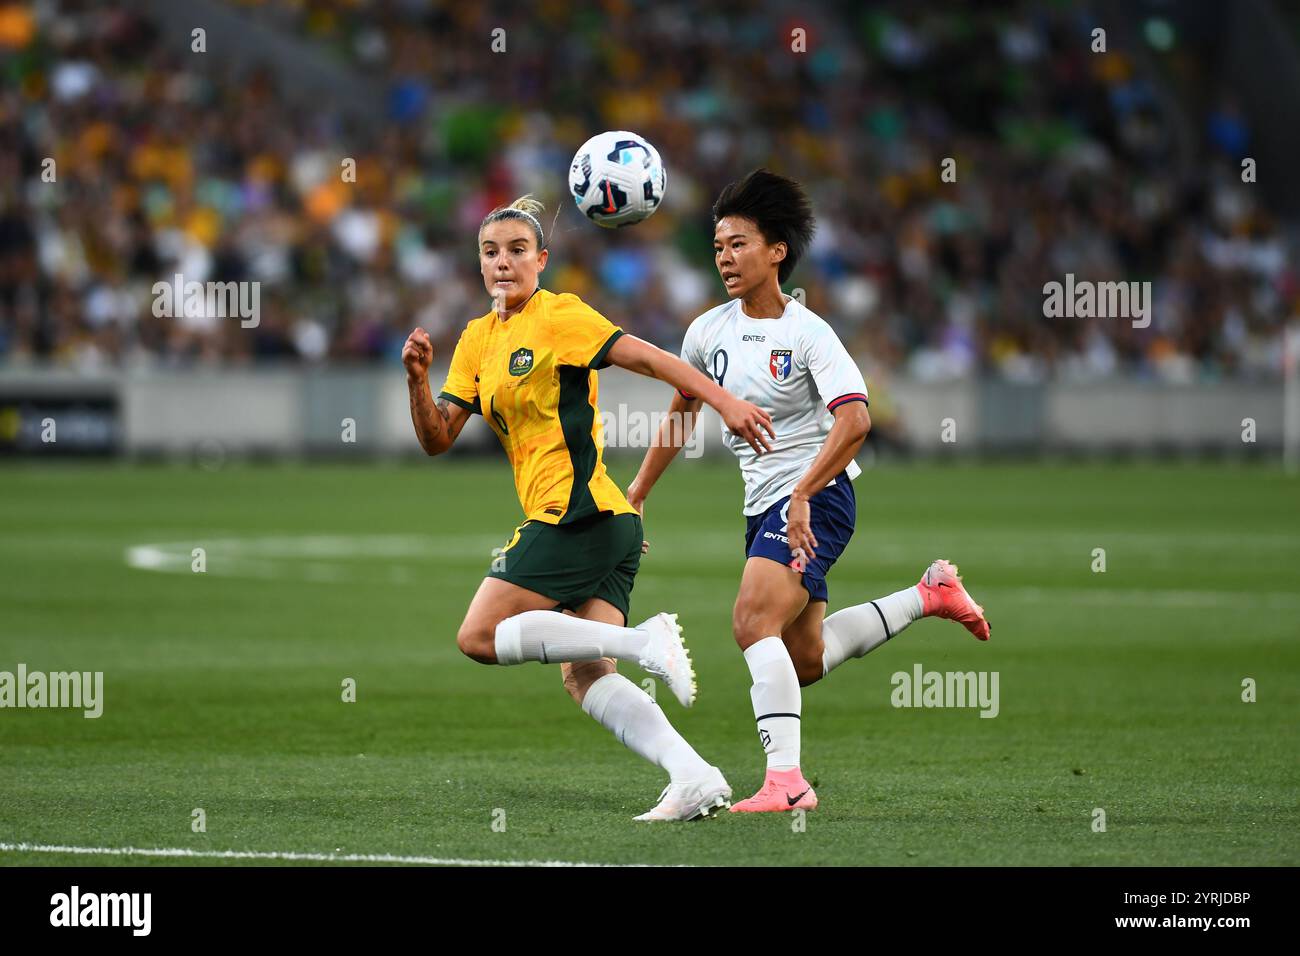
(597, 557)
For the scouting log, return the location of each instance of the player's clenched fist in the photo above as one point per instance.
(417, 353)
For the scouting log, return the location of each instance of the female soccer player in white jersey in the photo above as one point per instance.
(528, 366)
(767, 348)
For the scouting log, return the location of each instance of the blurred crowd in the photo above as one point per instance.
(1066, 161)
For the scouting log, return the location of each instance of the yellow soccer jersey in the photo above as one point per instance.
(533, 379)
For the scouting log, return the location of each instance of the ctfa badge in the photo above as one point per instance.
(780, 364)
(521, 361)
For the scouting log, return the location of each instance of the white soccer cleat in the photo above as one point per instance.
(665, 657)
(692, 800)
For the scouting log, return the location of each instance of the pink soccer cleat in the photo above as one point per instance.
(781, 790)
(942, 595)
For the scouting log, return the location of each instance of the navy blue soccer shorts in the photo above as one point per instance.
(834, 512)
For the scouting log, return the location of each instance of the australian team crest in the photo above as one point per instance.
(780, 364)
(521, 361)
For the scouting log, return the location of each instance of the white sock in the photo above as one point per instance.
(777, 701)
(855, 631)
(628, 713)
(551, 637)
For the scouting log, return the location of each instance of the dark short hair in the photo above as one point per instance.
(777, 206)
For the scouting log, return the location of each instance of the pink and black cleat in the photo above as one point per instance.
(943, 595)
(782, 790)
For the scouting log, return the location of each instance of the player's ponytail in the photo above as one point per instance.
(525, 208)
(529, 205)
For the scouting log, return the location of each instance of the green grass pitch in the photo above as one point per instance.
(222, 690)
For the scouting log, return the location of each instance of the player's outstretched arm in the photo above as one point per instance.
(674, 432)
(742, 418)
(436, 425)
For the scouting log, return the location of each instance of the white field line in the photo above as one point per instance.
(181, 853)
(335, 557)
(257, 551)
(866, 535)
(1101, 597)
(313, 557)
(1147, 597)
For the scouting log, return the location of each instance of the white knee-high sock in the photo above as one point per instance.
(855, 631)
(628, 713)
(550, 637)
(777, 701)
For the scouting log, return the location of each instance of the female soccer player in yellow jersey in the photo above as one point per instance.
(529, 368)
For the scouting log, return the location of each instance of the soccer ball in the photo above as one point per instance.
(617, 179)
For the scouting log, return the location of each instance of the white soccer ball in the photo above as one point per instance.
(617, 179)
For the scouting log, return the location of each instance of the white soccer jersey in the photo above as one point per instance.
(796, 369)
